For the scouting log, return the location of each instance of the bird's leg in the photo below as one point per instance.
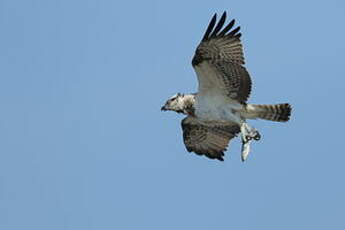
(248, 134)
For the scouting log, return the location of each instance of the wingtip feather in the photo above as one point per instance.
(219, 25)
(210, 27)
(214, 29)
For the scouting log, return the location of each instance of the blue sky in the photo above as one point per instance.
(84, 144)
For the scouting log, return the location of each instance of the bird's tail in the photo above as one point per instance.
(278, 112)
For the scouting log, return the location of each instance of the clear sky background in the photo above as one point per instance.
(84, 145)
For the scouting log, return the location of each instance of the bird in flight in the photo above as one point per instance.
(219, 110)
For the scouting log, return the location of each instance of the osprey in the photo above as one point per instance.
(219, 110)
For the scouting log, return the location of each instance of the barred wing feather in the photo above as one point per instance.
(218, 62)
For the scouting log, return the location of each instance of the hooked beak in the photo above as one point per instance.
(163, 108)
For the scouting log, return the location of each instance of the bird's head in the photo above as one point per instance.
(175, 103)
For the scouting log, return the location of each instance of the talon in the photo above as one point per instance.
(257, 136)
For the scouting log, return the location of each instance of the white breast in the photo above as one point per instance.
(214, 107)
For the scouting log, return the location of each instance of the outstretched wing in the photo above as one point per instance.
(210, 141)
(218, 62)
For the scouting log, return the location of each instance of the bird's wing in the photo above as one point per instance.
(218, 62)
(208, 140)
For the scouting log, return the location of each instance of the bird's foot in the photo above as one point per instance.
(248, 134)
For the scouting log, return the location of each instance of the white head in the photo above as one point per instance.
(175, 103)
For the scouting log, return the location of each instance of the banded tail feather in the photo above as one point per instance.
(277, 112)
